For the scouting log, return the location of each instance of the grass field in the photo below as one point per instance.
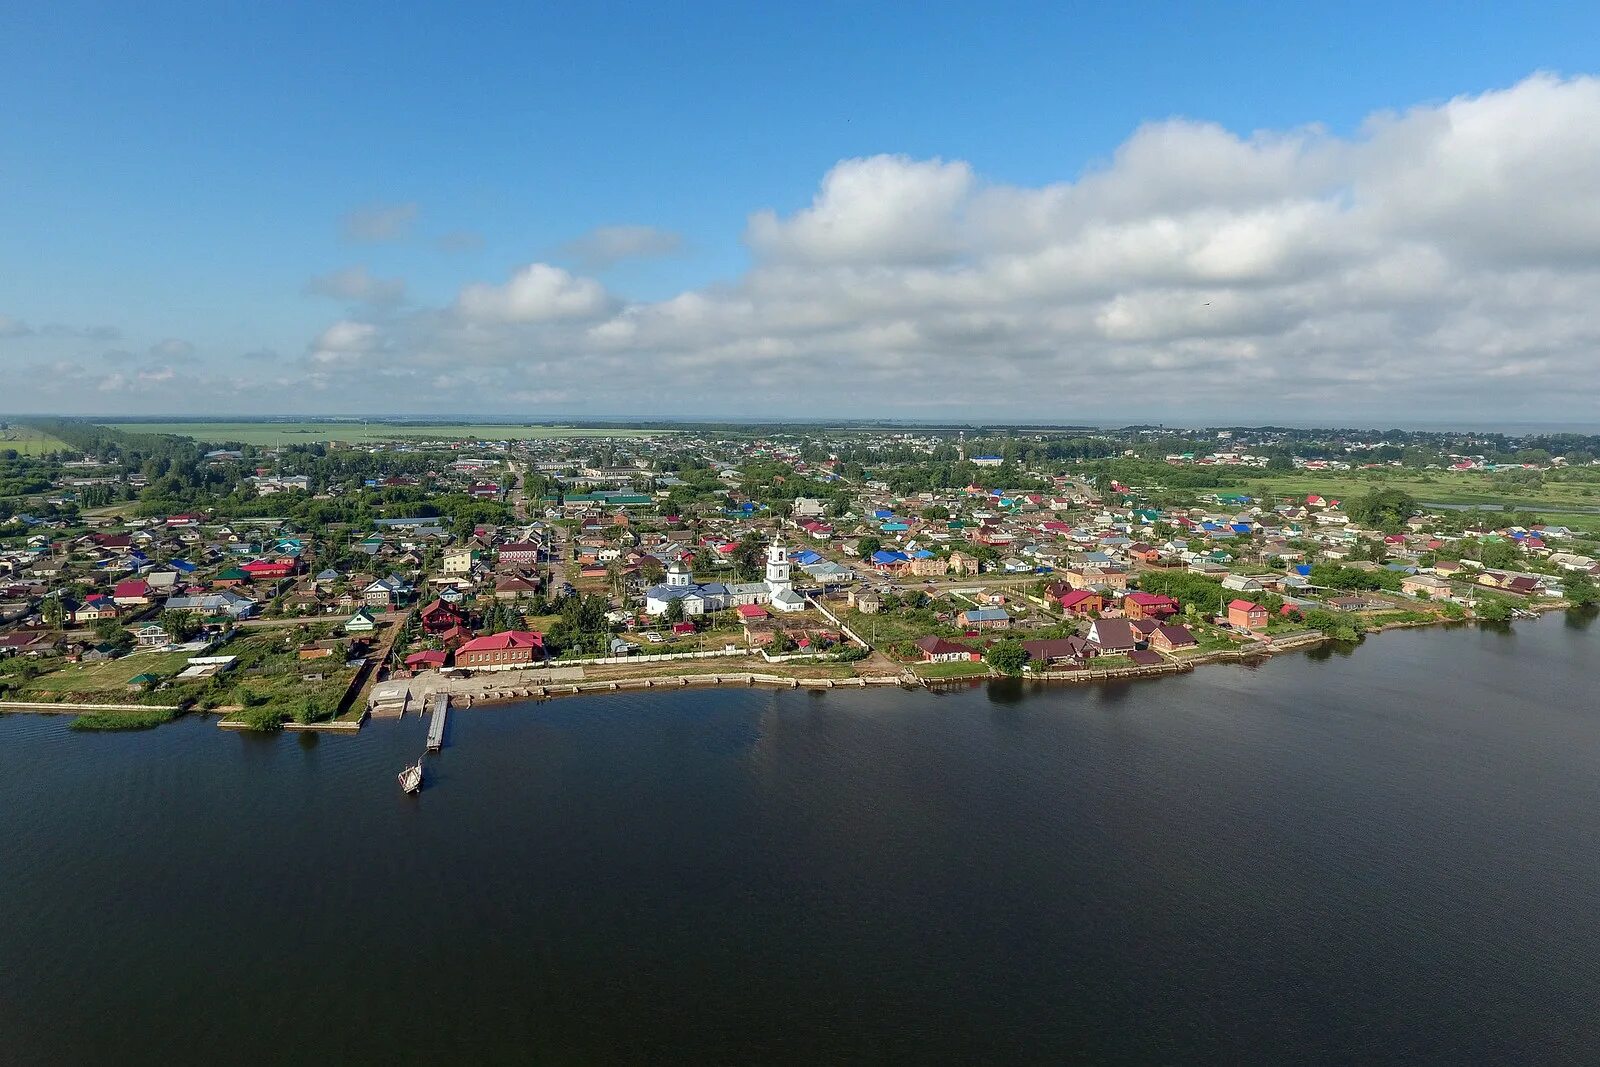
(953, 669)
(28, 441)
(1575, 504)
(111, 676)
(285, 433)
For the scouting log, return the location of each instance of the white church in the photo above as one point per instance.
(777, 592)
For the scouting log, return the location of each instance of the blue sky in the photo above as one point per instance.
(177, 176)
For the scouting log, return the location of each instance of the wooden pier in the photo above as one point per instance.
(441, 707)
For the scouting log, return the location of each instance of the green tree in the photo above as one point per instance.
(1386, 509)
(1007, 657)
(1580, 589)
(180, 625)
(1494, 609)
(109, 630)
(53, 612)
(674, 612)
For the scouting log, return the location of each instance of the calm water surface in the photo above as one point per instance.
(1384, 856)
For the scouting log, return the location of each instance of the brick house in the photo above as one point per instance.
(1247, 615)
(1170, 637)
(502, 651)
(1149, 606)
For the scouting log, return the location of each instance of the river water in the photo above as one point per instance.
(1387, 855)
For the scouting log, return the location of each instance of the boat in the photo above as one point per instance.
(411, 777)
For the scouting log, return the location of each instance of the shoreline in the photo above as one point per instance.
(499, 690)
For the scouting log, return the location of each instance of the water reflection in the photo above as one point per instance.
(1006, 691)
(1582, 618)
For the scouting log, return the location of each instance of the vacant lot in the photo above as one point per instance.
(284, 433)
(108, 680)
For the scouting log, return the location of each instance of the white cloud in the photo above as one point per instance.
(346, 341)
(10, 327)
(1440, 263)
(358, 285)
(606, 246)
(380, 222)
(536, 293)
(886, 209)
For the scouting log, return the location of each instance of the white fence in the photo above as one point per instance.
(851, 634)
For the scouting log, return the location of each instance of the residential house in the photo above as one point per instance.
(385, 594)
(520, 552)
(134, 592)
(95, 607)
(362, 622)
(437, 616)
(1114, 636)
(1149, 606)
(502, 651)
(985, 619)
(1172, 637)
(1424, 585)
(460, 561)
(1080, 602)
(515, 587)
(1247, 615)
(939, 650)
(1071, 651)
(226, 603)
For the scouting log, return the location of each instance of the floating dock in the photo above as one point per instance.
(441, 708)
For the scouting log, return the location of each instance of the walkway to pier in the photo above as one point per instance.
(441, 707)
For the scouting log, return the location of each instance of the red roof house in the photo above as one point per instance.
(511, 648)
(1247, 615)
(132, 591)
(1149, 606)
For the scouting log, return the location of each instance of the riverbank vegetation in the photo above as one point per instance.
(123, 720)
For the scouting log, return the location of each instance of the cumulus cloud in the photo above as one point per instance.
(606, 246)
(1439, 263)
(346, 341)
(886, 209)
(357, 285)
(380, 222)
(536, 293)
(11, 327)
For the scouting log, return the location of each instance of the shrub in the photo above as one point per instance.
(265, 719)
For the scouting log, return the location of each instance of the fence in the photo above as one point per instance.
(851, 634)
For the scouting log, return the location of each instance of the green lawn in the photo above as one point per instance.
(29, 442)
(283, 433)
(958, 669)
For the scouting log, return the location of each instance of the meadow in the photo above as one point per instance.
(1572, 503)
(27, 441)
(286, 433)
